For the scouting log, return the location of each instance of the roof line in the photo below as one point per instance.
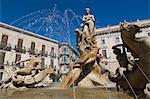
(116, 28)
(13, 28)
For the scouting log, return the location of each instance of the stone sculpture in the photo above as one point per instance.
(29, 76)
(85, 69)
(140, 49)
(147, 91)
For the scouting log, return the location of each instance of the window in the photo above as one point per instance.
(4, 44)
(32, 45)
(43, 48)
(117, 39)
(52, 62)
(32, 49)
(65, 50)
(103, 41)
(4, 39)
(2, 58)
(65, 59)
(52, 50)
(18, 47)
(43, 62)
(104, 53)
(20, 42)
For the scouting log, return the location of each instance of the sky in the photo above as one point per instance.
(107, 12)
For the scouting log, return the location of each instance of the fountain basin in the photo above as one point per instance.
(53, 93)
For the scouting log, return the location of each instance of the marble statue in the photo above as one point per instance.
(89, 21)
(85, 70)
(26, 77)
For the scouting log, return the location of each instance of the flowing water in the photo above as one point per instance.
(53, 23)
(80, 93)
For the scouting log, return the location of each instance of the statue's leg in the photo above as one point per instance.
(91, 27)
(86, 31)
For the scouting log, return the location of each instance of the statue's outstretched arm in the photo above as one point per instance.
(84, 18)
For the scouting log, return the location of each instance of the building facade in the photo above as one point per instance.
(110, 36)
(17, 45)
(67, 55)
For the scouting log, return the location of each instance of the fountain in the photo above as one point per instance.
(27, 77)
(50, 22)
(86, 72)
(85, 76)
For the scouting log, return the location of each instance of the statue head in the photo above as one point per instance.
(116, 50)
(87, 10)
(129, 29)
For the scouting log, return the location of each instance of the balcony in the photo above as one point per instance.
(20, 49)
(31, 51)
(44, 53)
(53, 55)
(6, 47)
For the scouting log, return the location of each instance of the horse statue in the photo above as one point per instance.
(139, 46)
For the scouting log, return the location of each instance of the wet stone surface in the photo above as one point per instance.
(80, 93)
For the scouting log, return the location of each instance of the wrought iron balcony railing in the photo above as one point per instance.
(31, 51)
(4, 46)
(53, 55)
(20, 49)
(44, 53)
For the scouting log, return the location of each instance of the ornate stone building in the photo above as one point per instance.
(67, 55)
(18, 44)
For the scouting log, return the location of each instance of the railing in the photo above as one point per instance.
(20, 49)
(4, 46)
(44, 53)
(53, 55)
(32, 51)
